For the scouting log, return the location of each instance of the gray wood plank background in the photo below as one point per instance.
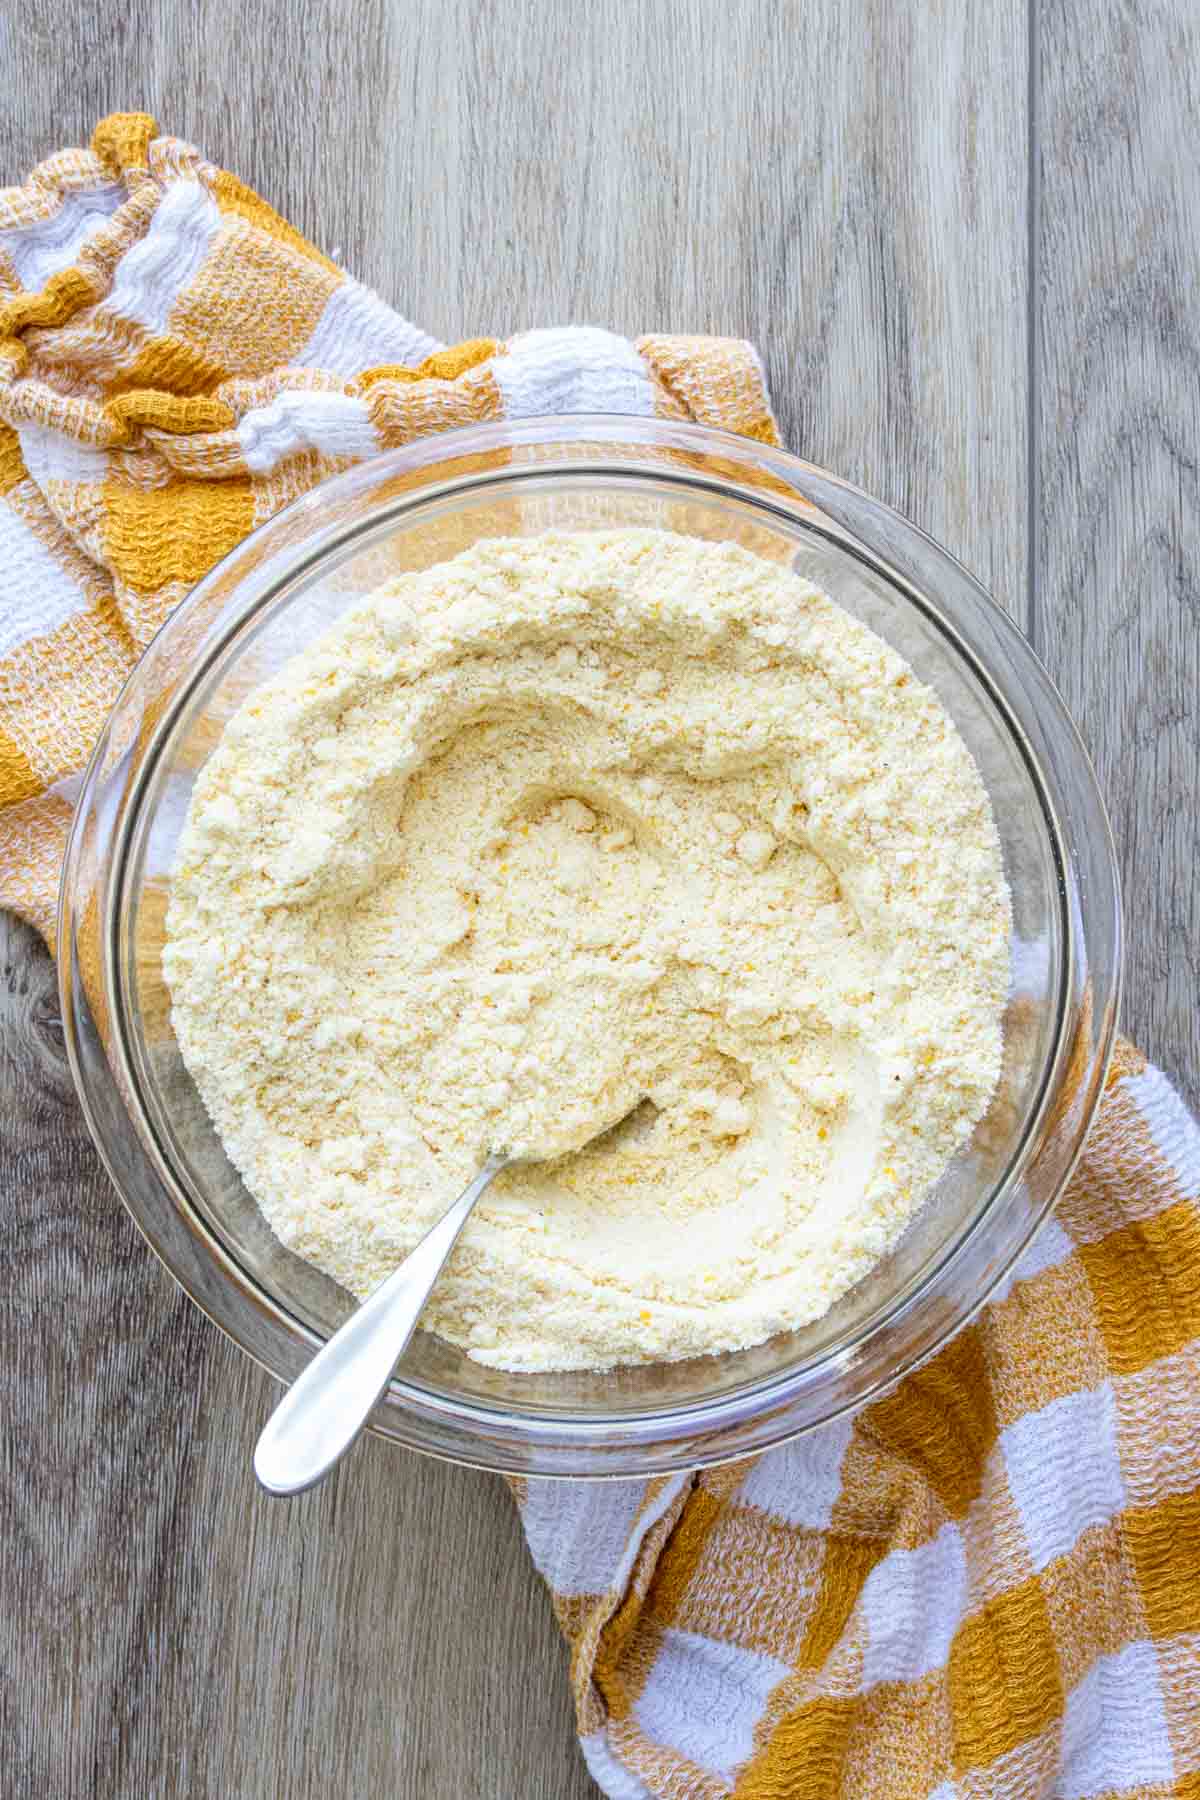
(966, 236)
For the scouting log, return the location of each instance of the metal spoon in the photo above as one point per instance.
(328, 1405)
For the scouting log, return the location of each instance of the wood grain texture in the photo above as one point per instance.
(1117, 614)
(848, 186)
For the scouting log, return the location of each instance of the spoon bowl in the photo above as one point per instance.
(327, 1407)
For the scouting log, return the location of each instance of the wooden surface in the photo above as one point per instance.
(966, 236)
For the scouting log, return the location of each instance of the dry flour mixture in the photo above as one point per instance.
(559, 824)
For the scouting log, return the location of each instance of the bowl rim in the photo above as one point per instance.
(654, 1434)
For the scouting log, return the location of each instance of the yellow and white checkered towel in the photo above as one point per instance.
(987, 1584)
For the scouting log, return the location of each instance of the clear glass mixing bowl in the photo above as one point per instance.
(289, 581)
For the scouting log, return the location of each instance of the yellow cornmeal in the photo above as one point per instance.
(561, 824)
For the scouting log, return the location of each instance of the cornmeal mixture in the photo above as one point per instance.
(569, 823)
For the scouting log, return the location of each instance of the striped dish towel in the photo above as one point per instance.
(986, 1584)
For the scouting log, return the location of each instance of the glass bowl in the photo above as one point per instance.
(416, 506)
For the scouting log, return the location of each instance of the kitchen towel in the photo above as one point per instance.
(986, 1583)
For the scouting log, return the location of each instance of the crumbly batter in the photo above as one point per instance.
(560, 825)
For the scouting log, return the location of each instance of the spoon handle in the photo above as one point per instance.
(327, 1406)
